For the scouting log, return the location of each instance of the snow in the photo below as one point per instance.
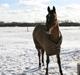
(18, 55)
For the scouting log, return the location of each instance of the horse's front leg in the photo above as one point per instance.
(59, 63)
(47, 61)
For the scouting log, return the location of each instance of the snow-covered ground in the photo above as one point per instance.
(18, 55)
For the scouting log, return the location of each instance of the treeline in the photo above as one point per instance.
(69, 24)
(13, 24)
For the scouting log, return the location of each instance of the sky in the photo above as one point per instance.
(36, 10)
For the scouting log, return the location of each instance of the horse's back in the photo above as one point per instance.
(40, 27)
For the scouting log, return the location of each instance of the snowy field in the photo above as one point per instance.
(18, 55)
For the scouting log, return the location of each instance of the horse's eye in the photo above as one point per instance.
(48, 18)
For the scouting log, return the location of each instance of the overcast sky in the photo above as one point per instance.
(36, 10)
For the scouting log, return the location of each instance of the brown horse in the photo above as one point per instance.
(48, 38)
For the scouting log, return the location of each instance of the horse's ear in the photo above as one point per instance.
(48, 9)
(54, 9)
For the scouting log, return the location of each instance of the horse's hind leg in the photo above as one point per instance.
(59, 63)
(42, 56)
(47, 61)
(39, 54)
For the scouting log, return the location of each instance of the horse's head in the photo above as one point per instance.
(51, 17)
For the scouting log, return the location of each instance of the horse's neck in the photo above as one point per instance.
(54, 31)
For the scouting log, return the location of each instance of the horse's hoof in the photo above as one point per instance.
(39, 66)
(42, 64)
(46, 73)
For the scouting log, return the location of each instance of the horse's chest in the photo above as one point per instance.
(55, 36)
